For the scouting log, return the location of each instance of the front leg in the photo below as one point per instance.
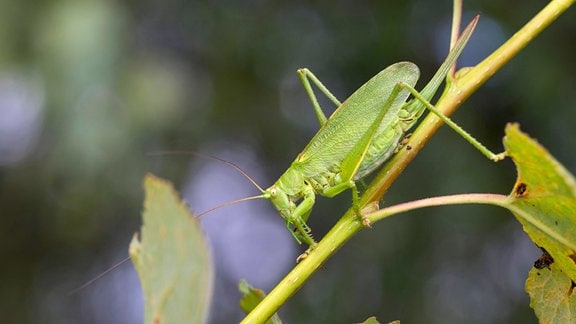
(297, 220)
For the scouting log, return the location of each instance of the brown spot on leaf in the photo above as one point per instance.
(544, 261)
(521, 190)
(571, 288)
(573, 257)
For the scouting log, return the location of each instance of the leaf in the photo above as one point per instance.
(374, 320)
(172, 258)
(544, 202)
(551, 295)
(543, 199)
(371, 320)
(251, 297)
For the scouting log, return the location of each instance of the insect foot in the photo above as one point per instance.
(302, 257)
(306, 253)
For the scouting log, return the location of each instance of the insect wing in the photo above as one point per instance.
(343, 132)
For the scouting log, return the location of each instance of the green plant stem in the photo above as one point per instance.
(483, 199)
(339, 234)
(457, 91)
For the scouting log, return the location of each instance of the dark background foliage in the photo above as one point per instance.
(88, 89)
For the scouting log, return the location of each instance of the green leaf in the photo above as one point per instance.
(543, 199)
(544, 202)
(371, 320)
(374, 320)
(251, 297)
(551, 295)
(172, 258)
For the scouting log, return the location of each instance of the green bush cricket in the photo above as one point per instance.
(363, 132)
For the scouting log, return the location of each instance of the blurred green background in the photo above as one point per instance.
(89, 88)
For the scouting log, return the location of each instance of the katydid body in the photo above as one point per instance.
(329, 164)
(363, 132)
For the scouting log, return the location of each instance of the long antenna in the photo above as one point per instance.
(98, 277)
(233, 165)
(164, 153)
(228, 204)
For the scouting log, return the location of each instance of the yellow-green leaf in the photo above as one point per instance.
(374, 320)
(551, 295)
(544, 199)
(172, 258)
(544, 202)
(251, 297)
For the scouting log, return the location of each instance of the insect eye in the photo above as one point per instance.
(273, 192)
